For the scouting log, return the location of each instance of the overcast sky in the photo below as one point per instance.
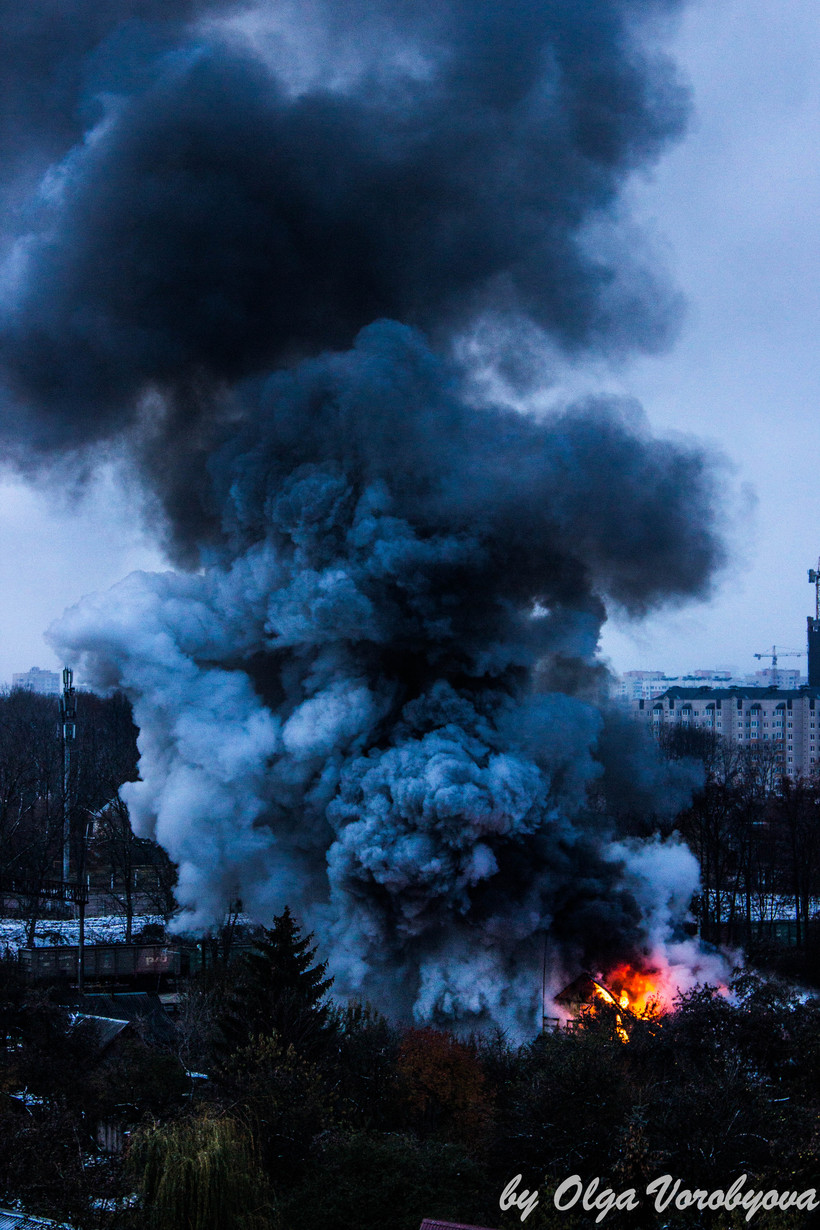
(735, 208)
(739, 205)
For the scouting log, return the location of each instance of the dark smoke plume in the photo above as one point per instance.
(364, 696)
(218, 218)
(340, 711)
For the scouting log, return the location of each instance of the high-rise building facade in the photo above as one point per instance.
(783, 722)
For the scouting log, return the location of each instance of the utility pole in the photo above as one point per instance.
(82, 892)
(68, 711)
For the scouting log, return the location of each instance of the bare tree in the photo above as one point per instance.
(137, 871)
(796, 816)
(31, 799)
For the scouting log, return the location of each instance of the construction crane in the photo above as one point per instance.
(783, 653)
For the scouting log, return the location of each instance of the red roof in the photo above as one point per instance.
(431, 1223)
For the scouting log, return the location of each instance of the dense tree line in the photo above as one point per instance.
(315, 1115)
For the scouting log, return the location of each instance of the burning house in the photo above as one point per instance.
(584, 997)
(307, 290)
(627, 994)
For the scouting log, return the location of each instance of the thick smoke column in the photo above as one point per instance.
(339, 711)
(350, 700)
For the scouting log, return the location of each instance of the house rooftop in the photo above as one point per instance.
(11, 1219)
(99, 1031)
(432, 1223)
(143, 1010)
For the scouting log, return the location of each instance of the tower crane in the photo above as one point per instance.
(783, 653)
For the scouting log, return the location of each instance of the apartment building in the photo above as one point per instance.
(47, 683)
(785, 720)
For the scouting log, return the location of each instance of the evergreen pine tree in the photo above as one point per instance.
(281, 988)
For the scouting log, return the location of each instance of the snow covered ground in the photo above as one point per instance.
(771, 908)
(102, 929)
(109, 929)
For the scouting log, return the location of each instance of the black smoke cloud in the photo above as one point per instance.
(533, 509)
(253, 247)
(215, 220)
(57, 55)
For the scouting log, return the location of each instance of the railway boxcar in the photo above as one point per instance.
(101, 962)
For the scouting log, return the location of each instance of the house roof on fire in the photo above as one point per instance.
(585, 990)
(582, 990)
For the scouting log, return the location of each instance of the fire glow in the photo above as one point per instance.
(643, 992)
(632, 993)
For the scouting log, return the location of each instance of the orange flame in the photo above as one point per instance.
(605, 996)
(634, 993)
(647, 992)
(642, 991)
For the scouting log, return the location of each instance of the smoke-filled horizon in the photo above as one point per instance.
(255, 248)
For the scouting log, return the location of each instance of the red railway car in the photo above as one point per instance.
(101, 962)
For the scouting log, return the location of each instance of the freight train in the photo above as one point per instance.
(103, 963)
(143, 963)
